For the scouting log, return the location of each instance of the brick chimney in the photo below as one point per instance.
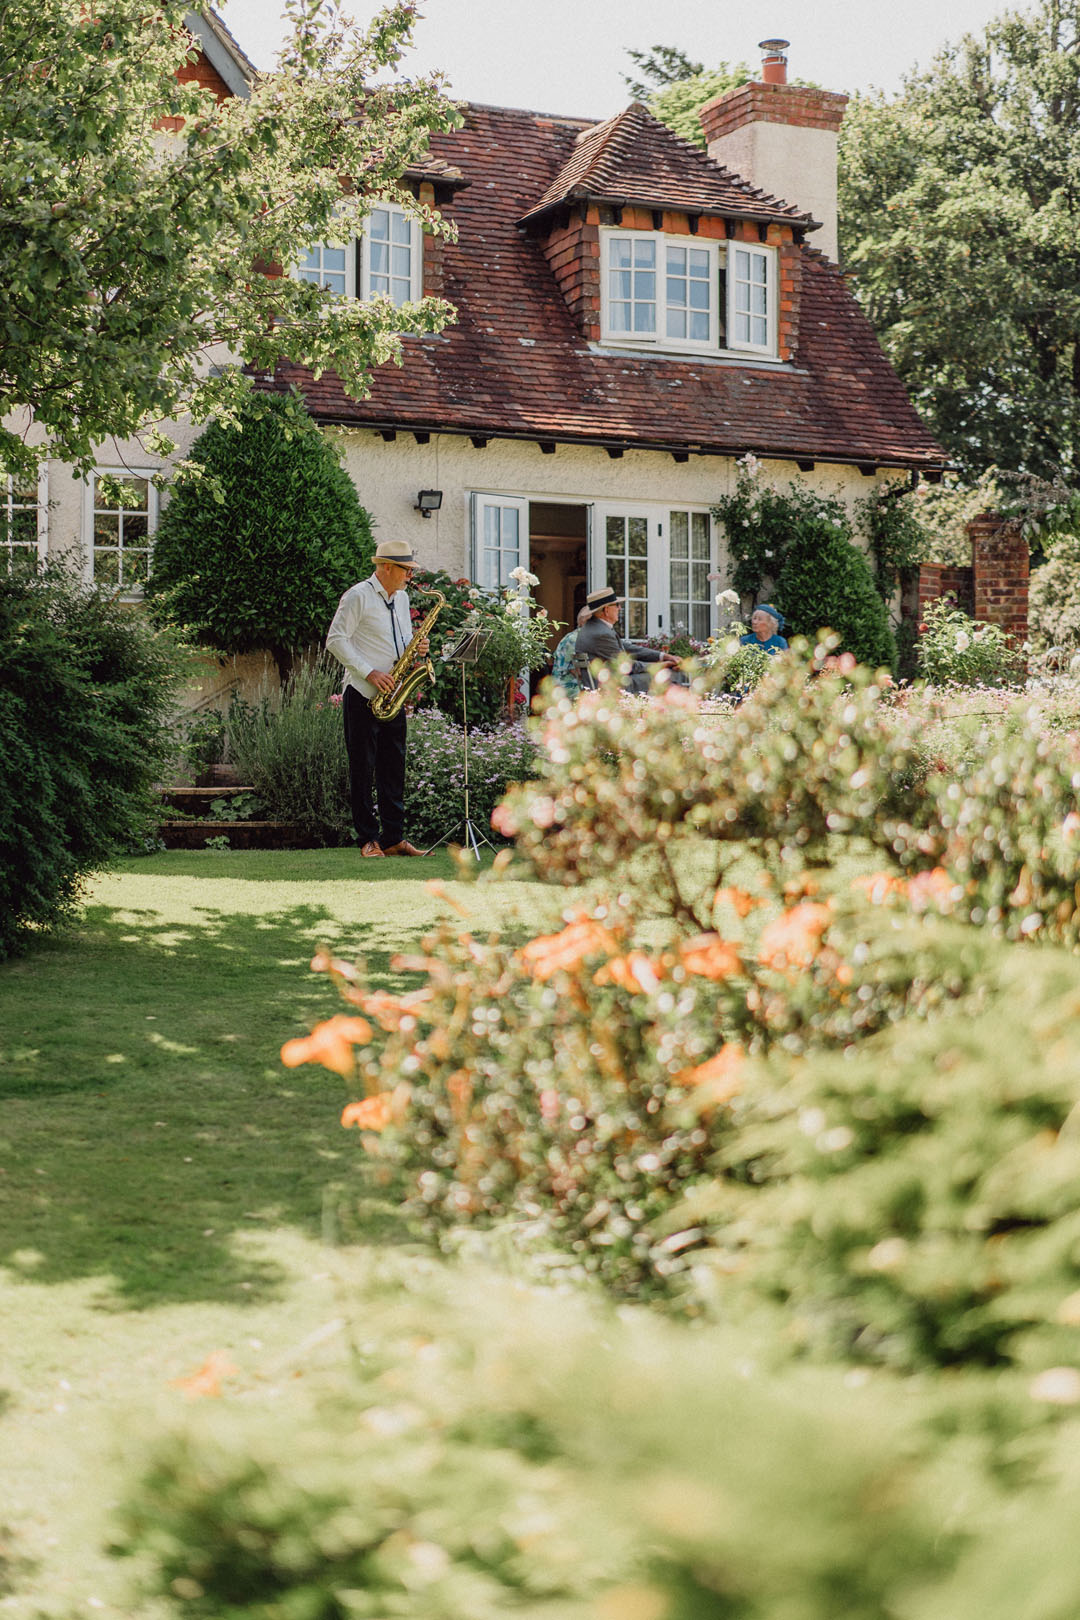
(781, 138)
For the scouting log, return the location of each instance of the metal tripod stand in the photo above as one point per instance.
(465, 650)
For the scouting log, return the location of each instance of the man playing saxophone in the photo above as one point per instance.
(370, 631)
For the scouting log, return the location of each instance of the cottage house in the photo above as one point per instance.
(634, 314)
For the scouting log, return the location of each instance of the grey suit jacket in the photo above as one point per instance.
(597, 639)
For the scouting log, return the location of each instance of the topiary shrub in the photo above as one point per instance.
(826, 583)
(86, 687)
(256, 552)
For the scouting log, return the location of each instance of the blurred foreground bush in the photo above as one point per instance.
(86, 690)
(498, 1451)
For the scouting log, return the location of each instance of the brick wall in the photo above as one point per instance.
(573, 252)
(993, 588)
(999, 555)
(202, 73)
(946, 579)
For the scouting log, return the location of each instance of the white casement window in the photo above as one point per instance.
(24, 511)
(751, 281)
(120, 534)
(331, 266)
(660, 290)
(500, 538)
(391, 256)
(686, 293)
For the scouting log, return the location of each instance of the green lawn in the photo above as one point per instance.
(163, 1179)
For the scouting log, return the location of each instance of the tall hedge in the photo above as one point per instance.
(256, 553)
(86, 689)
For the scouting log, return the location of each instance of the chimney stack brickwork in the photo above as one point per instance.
(798, 105)
(782, 138)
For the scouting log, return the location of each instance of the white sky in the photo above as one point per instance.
(567, 56)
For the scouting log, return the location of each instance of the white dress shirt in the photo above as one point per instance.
(370, 630)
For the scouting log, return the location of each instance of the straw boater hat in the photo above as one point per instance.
(395, 551)
(602, 598)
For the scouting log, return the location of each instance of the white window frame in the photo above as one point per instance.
(416, 253)
(658, 339)
(760, 253)
(721, 257)
(480, 507)
(348, 247)
(7, 482)
(127, 594)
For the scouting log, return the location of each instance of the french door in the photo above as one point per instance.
(659, 558)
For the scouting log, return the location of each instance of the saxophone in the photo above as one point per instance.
(410, 669)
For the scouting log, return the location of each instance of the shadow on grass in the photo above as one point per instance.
(148, 1122)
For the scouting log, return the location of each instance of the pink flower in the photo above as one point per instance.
(337, 698)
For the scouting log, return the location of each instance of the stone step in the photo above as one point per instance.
(197, 801)
(191, 834)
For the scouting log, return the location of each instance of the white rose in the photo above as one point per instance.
(728, 599)
(963, 641)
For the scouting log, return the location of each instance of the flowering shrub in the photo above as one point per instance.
(518, 636)
(955, 650)
(434, 771)
(733, 668)
(1054, 597)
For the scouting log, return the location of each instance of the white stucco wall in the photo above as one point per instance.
(797, 165)
(388, 477)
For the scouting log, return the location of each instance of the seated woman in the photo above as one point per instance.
(563, 665)
(766, 623)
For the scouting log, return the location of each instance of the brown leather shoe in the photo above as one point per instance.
(372, 849)
(404, 848)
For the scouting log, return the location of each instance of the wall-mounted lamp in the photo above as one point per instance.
(428, 501)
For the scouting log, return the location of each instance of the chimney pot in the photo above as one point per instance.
(773, 60)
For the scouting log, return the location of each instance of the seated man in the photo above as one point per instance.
(597, 639)
(766, 623)
(563, 665)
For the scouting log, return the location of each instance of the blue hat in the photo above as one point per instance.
(774, 613)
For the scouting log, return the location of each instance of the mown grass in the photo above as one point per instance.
(163, 1179)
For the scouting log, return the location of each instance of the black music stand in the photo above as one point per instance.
(465, 648)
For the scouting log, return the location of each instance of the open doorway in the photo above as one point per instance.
(558, 537)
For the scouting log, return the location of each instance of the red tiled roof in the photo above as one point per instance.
(516, 365)
(634, 158)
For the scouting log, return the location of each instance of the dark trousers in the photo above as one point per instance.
(376, 750)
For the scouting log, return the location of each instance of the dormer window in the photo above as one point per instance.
(390, 255)
(674, 293)
(331, 267)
